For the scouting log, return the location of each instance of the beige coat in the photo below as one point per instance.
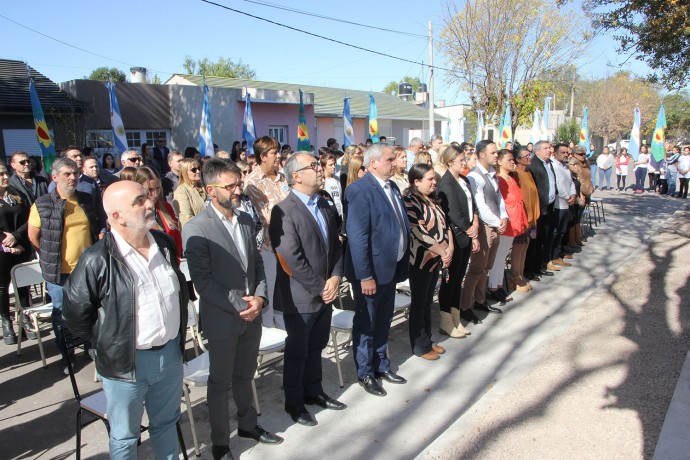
(188, 202)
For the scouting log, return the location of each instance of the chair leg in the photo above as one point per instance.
(336, 352)
(40, 342)
(20, 323)
(603, 212)
(190, 415)
(256, 398)
(181, 439)
(78, 451)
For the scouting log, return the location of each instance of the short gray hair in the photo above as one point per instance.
(374, 152)
(292, 165)
(126, 154)
(63, 162)
(436, 137)
(539, 144)
(416, 141)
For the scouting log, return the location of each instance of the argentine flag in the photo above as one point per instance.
(348, 130)
(119, 137)
(205, 138)
(634, 147)
(248, 131)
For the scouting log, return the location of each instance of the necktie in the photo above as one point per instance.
(555, 178)
(403, 229)
(314, 208)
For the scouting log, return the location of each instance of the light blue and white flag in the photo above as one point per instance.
(248, 131)
(480, 126)
(535, 133)
(544, 136)
(634, 147)
(446, 132)
(584, 132)
(119, 137)
(348, 130)
(205, 137)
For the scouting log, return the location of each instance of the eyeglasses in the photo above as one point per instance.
(460, 160)
(228, 187)
(23, 162)
(194, 170)
(315, 165)
(134, 159)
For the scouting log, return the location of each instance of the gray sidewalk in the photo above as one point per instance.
(423, 418)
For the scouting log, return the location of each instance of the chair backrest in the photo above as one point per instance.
(27, 274)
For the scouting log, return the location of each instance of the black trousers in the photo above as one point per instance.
(559, 223)
(307, 336)
(539, 249)
(450, 292)
(683, 189)
(422, 286)
(7, 262)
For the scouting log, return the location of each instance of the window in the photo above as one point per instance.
(279, 133)
(133, 138)
(151, 137)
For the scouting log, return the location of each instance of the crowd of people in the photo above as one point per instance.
(269, 238)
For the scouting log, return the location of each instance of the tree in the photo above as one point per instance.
(611, 103)
(499, 49)
(392, 87)
(568, 131)
(156, 80)
(654, 31)
(677, 107)
(222, 68)
(106, 73)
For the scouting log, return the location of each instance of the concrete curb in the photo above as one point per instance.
(675, 434)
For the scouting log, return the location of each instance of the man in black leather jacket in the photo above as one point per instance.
(128, 296)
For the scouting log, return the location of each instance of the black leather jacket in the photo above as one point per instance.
(98, 304)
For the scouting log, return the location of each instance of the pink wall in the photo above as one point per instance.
(266, 114)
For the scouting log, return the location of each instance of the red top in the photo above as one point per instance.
(172, 229)
(515, 207)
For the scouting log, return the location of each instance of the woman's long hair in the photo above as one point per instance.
(353, 168)
(417, 172)
(145, 174)
(185, 166)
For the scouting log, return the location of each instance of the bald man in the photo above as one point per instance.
(129, 286)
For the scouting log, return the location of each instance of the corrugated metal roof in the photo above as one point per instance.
(14, 89)
(329, 101)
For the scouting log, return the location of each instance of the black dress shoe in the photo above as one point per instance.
(372, 386)
(545, 272)
(260, 435)
(324, 401)
(487, 308)
(221, 453)
(301, 415)
(390, 377)
(468, 315)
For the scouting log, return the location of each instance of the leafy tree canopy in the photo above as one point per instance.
(221, 68)
(392, 87)
(106, 73)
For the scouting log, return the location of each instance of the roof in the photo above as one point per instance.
(14, 89)
(327, 101)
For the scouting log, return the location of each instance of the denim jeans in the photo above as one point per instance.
(605, 174)
(671, 177)
(158, 387)
(640, 175)
(593, 172)
(55, 292)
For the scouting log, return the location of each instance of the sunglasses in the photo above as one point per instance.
(134, 159)
(194, 170)
(23, 162)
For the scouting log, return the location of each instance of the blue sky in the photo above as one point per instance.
(159, 34)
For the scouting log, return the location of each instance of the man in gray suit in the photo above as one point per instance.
(228, 273)
(304, 234)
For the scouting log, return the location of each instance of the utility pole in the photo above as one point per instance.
(572, 95)
(431, 82)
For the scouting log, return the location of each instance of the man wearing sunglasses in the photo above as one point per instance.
(29, 185)
(131, 158)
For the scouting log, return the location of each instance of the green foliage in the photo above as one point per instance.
(222, 68)
(392, 87)
(156, 80)
(569, 131)
(677, 107)
(106, 73)
(654, 31)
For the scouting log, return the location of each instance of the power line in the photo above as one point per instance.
(319, 36)
(307, 13)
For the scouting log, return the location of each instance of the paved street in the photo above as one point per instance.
(582, 367)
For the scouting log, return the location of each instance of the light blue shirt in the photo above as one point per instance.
(552, 179)
(311, 202)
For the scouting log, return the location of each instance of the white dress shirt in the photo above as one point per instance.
(235, 230)
(566, 186)
(485, 213)
(156, 294)
(552, 179)
(468, 195)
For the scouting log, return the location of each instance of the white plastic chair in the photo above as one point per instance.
(272, 343)
(341, 323)
(196, 373)
(23, 275)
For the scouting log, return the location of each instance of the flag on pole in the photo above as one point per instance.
(446, 134)
(659, 139)
(634, 147)
(119, 137)
(45, 142)
(303, 143)
(545, 120)
(499, 141)
(584, 132)
(507, 128)
(248, 131)
(373, 122)
(348, 130)
(535, 133)
(480, 126)
(205, 138)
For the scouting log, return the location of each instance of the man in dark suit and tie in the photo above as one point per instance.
(305, 239)
(228, 273)
(160, 155)
(378, 258)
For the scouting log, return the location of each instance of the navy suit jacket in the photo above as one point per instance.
(373, 233)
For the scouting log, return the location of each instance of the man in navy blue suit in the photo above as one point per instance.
(378, 258)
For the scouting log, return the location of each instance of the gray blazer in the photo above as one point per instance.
(218, 273)
(305, 260)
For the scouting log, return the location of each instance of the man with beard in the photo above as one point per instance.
(228, 273)
(128, 289)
